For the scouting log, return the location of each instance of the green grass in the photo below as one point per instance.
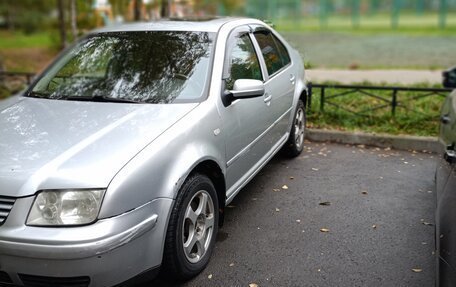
(15, 40)
(414, 117)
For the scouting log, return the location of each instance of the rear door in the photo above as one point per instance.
(281, 77)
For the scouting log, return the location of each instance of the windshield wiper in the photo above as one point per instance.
(99, 99)
(35, 94)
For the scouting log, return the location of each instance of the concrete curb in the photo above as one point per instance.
(429, 144)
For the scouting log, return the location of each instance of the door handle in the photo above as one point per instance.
(445, 119)
(267, 98)
(292, 78)
(450, 156)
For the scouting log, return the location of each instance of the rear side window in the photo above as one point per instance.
(274, 52)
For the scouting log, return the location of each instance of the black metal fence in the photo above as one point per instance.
(390, 101)
(328, 94)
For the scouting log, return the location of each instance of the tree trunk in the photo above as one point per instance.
(10, 16)
(164, 8)
(74, 23)
(62, 28)
(137, 10)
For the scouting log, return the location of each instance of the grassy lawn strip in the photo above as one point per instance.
(409, 24)
(413, 117)
(26, 53)
(14, 40)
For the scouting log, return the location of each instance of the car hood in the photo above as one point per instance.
(55, 144)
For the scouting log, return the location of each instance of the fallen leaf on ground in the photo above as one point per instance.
(325, 203)
(324, 230)
(284, 186)
(210, 276)
(417, 270)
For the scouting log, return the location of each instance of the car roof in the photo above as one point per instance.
(174, 24)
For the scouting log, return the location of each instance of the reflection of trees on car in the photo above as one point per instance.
(135, 66)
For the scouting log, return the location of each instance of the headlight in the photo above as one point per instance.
(65, 207)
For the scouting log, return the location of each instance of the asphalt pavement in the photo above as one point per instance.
(338, 215)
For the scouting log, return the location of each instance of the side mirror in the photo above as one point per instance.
(449, 78)
(244, 89)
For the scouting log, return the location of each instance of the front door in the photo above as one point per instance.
(245, 121)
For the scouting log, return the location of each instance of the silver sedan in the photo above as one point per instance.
(121, 157)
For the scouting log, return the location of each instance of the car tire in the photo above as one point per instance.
(192, 229)
(295, 144)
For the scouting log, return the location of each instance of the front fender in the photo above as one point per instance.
(160, 169)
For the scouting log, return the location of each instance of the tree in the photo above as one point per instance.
(62, 26)
(27, 15)
(74, 23)
(164, 8)
(119, 7)
(137, 9)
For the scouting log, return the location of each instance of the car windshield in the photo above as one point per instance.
(144, 67)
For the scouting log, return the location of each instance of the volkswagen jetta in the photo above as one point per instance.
(122, 155)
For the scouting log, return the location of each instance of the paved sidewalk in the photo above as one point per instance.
(404, 77)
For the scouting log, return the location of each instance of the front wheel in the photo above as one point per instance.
(192, 229)
(295, 143)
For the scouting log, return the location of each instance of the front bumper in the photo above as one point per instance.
(105, 253)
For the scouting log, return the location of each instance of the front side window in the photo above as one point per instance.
(146, 67)
(243, 62)
(274, 52)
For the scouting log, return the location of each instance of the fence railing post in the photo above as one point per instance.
(355, 13)
(323, 13)
(394, 103)
(443, 6)
(322, 99)
(310, 94)
(395, 13)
